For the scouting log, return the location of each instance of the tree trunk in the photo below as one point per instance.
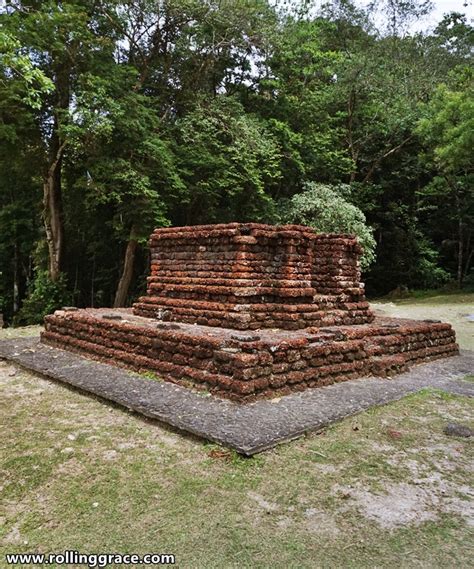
(53, 214)
(127, 273)
(350, 118)
(52, 193)
(16, 280)
(378, 160)
(460, 254)
(469, 254)
(460, 240)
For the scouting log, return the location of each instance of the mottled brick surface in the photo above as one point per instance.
(249, 276)
(249, 311)
(243, 365)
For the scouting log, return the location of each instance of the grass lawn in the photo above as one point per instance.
(435, 296)
(384, 489)
(454, 308)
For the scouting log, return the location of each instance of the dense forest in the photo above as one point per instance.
(118, 117)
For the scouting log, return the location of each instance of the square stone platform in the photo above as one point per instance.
(249, 428)
(244, 312)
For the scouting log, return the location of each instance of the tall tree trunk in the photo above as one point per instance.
(460, 254)
(127, 273)
(350, 121)
(460, 239)
(52, 192)
(469, 254)
(53, 213)
(16, 280)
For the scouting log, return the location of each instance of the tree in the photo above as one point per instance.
(447, 128)
(64, 39)
(118, 116)
(328, 210)
(122, 161)
(22, 89)
(228, 162)
(14, 64)
(297, 94)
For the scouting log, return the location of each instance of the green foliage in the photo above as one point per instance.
(447, 129)
(447, 126)
(44, 297)
(185, 112)
(428, 274)
(35, 84)
(328, 210)
(300, 98)
(228, 161)
(125, 162)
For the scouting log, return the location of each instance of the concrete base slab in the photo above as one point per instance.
(247, 428)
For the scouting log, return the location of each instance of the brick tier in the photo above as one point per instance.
(252, 276)
(246, 365)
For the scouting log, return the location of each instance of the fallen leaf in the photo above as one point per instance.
(392, 433)
(220, 454)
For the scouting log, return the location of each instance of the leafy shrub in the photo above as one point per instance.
(427, 273)
(328, 210)
(44, 297)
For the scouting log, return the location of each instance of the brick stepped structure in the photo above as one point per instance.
(251, 276)
(242, 365)
(249, 310)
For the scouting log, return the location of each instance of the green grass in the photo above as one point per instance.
(24, 331)
(452, 308)
(432, 296)
(79, 474)
(150, 375)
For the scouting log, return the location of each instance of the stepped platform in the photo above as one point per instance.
(248, 311)
(244, 366)
(250, 276)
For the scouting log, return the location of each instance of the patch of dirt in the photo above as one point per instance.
(402, 505)
(18, 382)
(437, 484)
(13, 536)
(126, 445)
(264, 504)
(328, 468)
(318, 521)
(284, 522)
(454, 452)
(410, 504)
(110, 455)
(71, 467)
(381, 447)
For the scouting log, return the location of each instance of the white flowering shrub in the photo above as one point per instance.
(327, 209)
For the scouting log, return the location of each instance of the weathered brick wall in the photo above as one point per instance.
(250, 276)
(287, 282)
(243, 365)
